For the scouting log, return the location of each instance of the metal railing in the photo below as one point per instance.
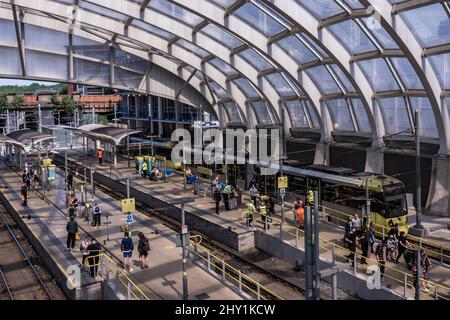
(109, 267)
(338, 251)
(229, 274)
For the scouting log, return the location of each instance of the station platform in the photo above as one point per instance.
(161, 281)
(330, 234)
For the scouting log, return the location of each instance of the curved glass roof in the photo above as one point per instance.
(335, 66)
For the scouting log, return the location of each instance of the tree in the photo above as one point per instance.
(67, 104)
(55, 102)
(102, 119)
(3, 103)
(17, 101)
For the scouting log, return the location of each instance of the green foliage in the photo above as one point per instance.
(17, 101)
(54, 101)
(67, 104)
(4, 90)
(3, 103)
(102, 119)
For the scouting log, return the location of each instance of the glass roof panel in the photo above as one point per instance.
(221, 36)
(428, 126)
(321, 9)
(361, 115)
(340, 114)
(323, 80)
(407, 73)
(379, 75)
(192, 48)
(246, 88)
(232, 111)
(111, 14)
(131, 61)
(441, 65)
(352, 37)
(259, 19)
(354, 4)
(8, 29)
(380, 33)
(312, 114)
(430, 24)
(280, 84)
(262, 112)
(175, 11)
(395, 116)
(218, 90)
(297, 50)
(223, 67)
(255, 59)
(297, 114)
(344, 79)
(90, 48)
(224, 3)
(152, 29)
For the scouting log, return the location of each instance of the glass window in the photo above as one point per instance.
(89, 48)
(255, 59)
(379, 75)
(131, 61)
(297, 50)
(93, 72)
(430, 24)
(46, 39)
(192, 48)
(222, 66)
(42, 64)
(10, 63)
(175, 11)
(380, 33)
(221, 36)
(232, 111)
(321, 9)
(441, 65)
(246, 88)
(127, 78)
(407, 73)
(361, 115)
(323, 80)
(297, 114)
(8, 33)
(396, 118)
(280, 84)
(340, 114)
(259, 19)
(343, 78)
(427, 120)
(352, 37)
(262, 113)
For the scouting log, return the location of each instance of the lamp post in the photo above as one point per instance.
(418, 172)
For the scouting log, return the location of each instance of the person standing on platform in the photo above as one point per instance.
(371, 236)
(363, 239)
(356, 223)
(24, 194)
(94, 257)
(250, 211)
(143, 248)
(351, 242)
(84, 250)
(403, 245)
(100, 156)
(28, 179)
(270, 210)
(263, 211)
(239, 199)
(70, 181)
(217, 199)
(226, 196)
(297, 204)
(97, 214)
(252, 184)
(253, 194)
(72, 230)
(144, 169)
(127, 248)
(310, 198)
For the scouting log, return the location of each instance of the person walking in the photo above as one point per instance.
(28, 179)
(371, 237)
(270, 210)
(72, 230)
(100, 156)
(70, 181)
(143, 249)
(380, 253)
(252, 184)
(217, 199)
(93, 257)
(351, 243)
(127, 248)
(263, 211)
(356, 223)
(97, 214)
(84, 250)
(250, 211)
(403, 245)
(24, 194)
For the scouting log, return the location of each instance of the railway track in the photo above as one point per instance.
(23, 275)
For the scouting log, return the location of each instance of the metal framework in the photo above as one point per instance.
(334, 66)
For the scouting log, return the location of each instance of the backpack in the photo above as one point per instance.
(97, 210)
(145, 245)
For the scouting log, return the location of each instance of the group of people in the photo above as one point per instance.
(229, 194)
(28, 178)
(390, 248)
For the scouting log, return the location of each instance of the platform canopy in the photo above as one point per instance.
(104, 133)
(25, 139)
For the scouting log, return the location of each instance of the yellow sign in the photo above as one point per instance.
(283, 183)
(173, 165)
(128, 205)
(160, 158)
(205, 171)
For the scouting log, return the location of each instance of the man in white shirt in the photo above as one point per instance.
(356, 223)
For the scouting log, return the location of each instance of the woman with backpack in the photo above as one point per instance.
(143, 248)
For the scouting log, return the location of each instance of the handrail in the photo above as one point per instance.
(113, 264)
(224, 265)
(357, 255)
(421, 240)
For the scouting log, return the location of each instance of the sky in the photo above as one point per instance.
(13, 82)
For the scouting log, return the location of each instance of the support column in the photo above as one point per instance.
(375, 160)
(322, 156)
(439, 195)
(160, 112)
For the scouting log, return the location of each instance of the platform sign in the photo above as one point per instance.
(184, 229)
(128, 205)
(282, 192)
(283, 183)
(129, 218)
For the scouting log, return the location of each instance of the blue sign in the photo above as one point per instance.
(129, 218)
(282, 192)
